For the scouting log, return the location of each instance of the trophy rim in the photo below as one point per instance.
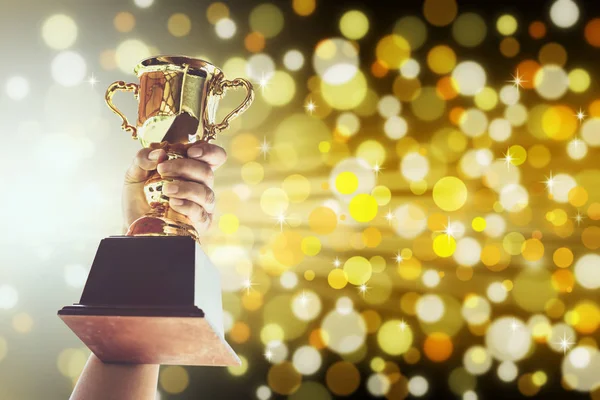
(196, 66)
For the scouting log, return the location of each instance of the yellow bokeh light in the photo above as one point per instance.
(440, 12)
(354, 24)
(59, 32)
(363, 207)
(337, 278)
(179, 25)
(174, 379)
(304, 7)
(394, 337)
(393, 50)
(579, 80)
(267, 19)
(281, 89)
(347, 95)
(228, 223)
(441, 59)
(444, 245)
(506, 24)
(358, 270)
(450, 193)
(252, 172)
(346, 182)
(311, 245)
(478, 224)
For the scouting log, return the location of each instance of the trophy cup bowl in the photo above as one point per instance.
(152, 296)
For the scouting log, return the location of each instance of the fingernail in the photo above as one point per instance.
(170, 188)
(154, 154)
(176, 202)
(195, 151)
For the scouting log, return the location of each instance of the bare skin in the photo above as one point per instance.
(190, 194)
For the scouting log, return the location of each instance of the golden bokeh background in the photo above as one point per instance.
(411, 206)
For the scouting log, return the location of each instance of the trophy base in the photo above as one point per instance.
(152, 300)
(171, 336)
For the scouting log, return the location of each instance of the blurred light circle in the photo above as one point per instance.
(293, 60)
(388, 106)
(428, 105)
(411, 221)
(440, 12)
(306, 360)
(260, 66)
(346, 332)
(179, 25)
(225, 28)
(394, 338)
(414, 166)
(348, 124)
(508, 339)
(335, 60)
(266, 19)
(589, 131)
(559, 332)
(59, 31)
(347, 95)
(430, 308)
(392, 50)
(441, 59)
(514, 198)
(564, 13)
(586, 271)
(68, 68)
(497, 292)
(563, 183)
(274, 201)
(354, 24)
(75, 275)
(413, 29)
(431, 278)
(361, 169)
(467, 251)
(507, 371)
(449, 193)
(551, 81)
(497, 175)
(580, 368)
(395, 127)
(280, 90)
(500, 130)
(579, 80)
(516, 114)
(473, 122)
(310, 390)
(17, 87)
(306, 305)
(470, 78)
(263, 392)
(279, 351)
(476, 310)
(378, 384)
(8, 297)
(577, 149)
(288, 280)
(410, 68)
(477, 360)
(143, 3)
(129, 53)
(506, 24)
(509, 95)
(469, 29)
(418, 386)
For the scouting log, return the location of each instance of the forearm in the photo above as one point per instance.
(103, 381)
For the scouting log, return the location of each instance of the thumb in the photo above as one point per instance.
(143, 164)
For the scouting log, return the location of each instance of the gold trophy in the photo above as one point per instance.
(152, 296)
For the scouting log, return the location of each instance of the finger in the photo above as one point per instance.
(187, 169)
(195, 192)
(144, 162)
(211, 154)
(196, 213)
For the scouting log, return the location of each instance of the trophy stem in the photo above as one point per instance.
(162, 220)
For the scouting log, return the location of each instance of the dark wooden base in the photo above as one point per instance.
(138, 305)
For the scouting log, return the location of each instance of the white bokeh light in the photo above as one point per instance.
(225, 28)
(68, 68)
(564, 13)
(17, 87)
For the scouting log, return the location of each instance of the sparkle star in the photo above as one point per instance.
(247, 284)
(565, 343)
(508, 158)
(268, 354)
(263, 82)
(402, 325)
(398, 257)
(549, 182)
(92, 80)
(377, 168)
(389, 216)
(579, 217)
(337, 262)
(448, 230)
(303, 299)
(264, 148)
(576, 142)
(310, 106)
(281, 220)
(580, 115)
(363, 289)
(514, 325)
(517, 80)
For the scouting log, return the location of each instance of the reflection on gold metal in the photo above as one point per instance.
(178, 100)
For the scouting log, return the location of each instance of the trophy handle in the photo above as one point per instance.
(126, 87)
(220, 90)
